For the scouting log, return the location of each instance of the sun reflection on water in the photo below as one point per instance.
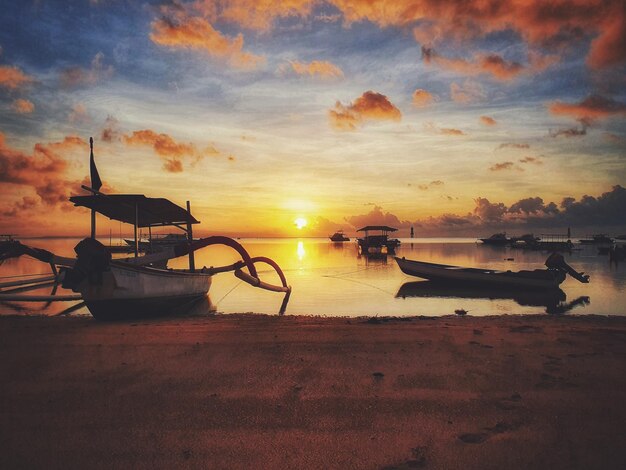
(300, 250)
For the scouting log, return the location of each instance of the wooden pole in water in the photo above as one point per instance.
(192, 261)
(135, 230)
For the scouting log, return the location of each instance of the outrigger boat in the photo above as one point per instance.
(140, 286)
(549, 278)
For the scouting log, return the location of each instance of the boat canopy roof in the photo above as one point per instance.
(384, 228)
(151, 211)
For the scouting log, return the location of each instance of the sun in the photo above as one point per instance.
(300, 223)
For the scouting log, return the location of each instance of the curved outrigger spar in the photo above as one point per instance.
(140, 285)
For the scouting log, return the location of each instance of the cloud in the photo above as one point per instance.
(78, 114)
(422, 98)
(13, 78)
(370, 106)
(487, 211)
(488, 121)
(171, 151)
(443, 130)
(180, 31)
(489, 64)
(469, 92)
(532, 205)
(513, 146)
(317, 68)
(534, 160)
(258, 15)
(23, 106)
(110, 132)
(45, 171)
(614, 138)
(571, 132)
(504, 166)
(432, 184)
(77, 76)
(376, 217)
(592, 108)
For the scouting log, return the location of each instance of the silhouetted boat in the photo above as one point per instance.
(158, 242)
(598, 239)
(338, 237)
(537, 279)
(497, 239)
(552, 299)
(140, 286)
(377, 244)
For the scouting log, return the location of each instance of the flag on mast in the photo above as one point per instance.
(96, 182)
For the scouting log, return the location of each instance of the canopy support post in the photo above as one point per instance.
(192, 261)
(93, 224)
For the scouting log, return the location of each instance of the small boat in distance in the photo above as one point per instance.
(537, 279)
(380, 243)
(497, 239)
(160, 241)
(598, 239)
(339, 237)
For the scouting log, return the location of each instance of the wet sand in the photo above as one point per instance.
(252, 391)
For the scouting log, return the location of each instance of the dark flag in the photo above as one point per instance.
(96, 182)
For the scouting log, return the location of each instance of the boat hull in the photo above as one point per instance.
(538, 279)
(128, 291)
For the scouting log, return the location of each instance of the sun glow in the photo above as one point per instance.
(300, 223)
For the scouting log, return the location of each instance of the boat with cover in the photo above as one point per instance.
(379, 243)
(141, 286)
(536, 279)
(339, 237)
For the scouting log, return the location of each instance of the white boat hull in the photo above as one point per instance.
(127, 291)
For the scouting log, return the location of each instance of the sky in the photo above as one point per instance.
(455, 118)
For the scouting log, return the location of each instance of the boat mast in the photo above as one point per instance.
(95, 181)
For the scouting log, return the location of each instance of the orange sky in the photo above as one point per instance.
(455, 118)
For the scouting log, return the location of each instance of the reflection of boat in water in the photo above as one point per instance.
(536, 279)
(140, 286)
(380, 243)
(339, 237)
(497, 239)
(552, 299)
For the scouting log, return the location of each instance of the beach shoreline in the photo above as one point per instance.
(263, 391)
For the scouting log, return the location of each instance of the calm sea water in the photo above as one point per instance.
(331, 279)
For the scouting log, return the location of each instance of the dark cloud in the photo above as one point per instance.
(376, 217)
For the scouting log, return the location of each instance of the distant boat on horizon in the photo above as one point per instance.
(597, 239)
(339, 237)
(497, 239)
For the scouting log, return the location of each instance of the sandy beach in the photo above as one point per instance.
(255, 391)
